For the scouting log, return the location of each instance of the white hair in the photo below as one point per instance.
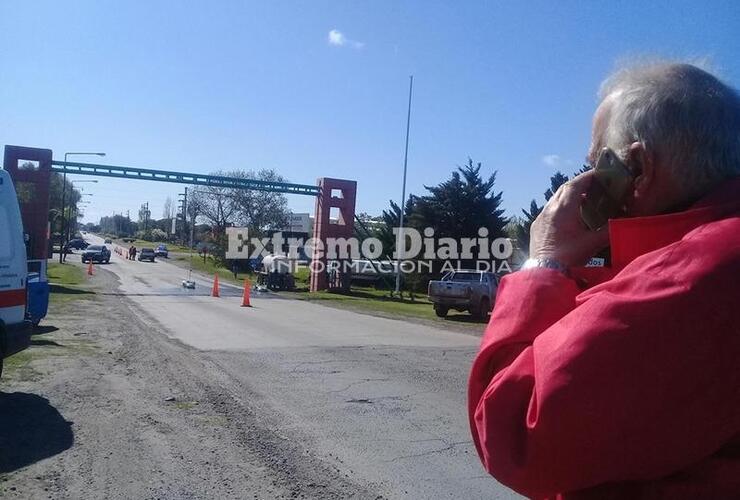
(683, 115)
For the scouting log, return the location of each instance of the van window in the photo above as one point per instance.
(6, 235)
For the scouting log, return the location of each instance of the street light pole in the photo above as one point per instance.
(399, 237)
(69, 222)
(62, 232)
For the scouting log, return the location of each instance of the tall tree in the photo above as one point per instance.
(168, 212)
(460, 206)
(584, 168)
(71, 198)
(524, 227)
(217, 205)
(557, 180)
(261, 211)
(390, 221)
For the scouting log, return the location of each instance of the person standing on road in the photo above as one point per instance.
(624, 382)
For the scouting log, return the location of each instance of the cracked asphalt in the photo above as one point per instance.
(282, 400)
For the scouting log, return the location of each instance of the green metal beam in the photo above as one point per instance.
(71, 167)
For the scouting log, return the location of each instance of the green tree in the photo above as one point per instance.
(584, 168)
(390, 221)
(557, 180)
(524, 227)
(260, 211)
(461, 205)
(458, 207)
(71, 197)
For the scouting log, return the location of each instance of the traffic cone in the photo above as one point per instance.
(245, 298)
(90, 268)
(215, 292)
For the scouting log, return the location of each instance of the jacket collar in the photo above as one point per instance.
(632, 237)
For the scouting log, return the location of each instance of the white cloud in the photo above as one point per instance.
(556, 161)
(338, 39)
(551, 160)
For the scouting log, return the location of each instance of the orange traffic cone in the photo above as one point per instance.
(215, 292)
(245, 298)
(90, 268)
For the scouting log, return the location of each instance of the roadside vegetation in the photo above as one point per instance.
(139, 244)
(209, 267)
(67, 282)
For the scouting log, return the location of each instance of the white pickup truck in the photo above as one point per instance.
(464, 290)
(15, 329)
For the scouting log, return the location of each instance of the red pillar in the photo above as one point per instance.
(339, 194)
(32, 185)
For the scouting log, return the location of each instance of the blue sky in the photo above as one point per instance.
(201, 86)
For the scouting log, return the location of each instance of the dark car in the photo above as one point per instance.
(161, 251)
(77, 244)
(96, 253)
(146, 254)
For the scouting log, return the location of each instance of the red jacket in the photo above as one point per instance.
(631, 387)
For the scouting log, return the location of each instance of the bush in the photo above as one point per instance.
(158, 235)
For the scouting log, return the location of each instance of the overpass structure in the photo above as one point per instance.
(32, 184)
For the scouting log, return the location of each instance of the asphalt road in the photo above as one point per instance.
(383, 398)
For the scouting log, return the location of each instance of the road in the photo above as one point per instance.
(332, 396)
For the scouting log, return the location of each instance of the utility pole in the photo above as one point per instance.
(399, 238)
(62, 230)
(184, 208)
(146, 217)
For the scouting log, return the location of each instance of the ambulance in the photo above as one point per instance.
(15, 329)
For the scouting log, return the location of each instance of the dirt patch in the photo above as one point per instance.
(103, 405)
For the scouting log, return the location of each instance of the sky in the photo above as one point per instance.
(319, 89)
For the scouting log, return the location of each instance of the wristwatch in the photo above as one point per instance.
(546, 264)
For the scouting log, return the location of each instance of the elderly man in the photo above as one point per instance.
(624, 382)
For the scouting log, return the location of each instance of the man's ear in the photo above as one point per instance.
(642, 165)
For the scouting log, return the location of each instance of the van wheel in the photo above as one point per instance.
(441, 311)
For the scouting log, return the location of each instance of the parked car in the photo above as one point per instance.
(15, 329)
(77, 244)
(372, 271)
(146, 254)
(464, 290)
(96, 253)
(161, 251)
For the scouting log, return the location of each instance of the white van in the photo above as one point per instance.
(15, 330)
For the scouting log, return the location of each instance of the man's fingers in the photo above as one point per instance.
(574, 188)
(581, 182)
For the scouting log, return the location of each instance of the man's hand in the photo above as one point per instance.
(559, 234)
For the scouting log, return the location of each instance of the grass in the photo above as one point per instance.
(65, 274)
(209, 267)
(185, 405)
(67, 283)
(20, 365)
(139, 244)
(359, 299)
(379, 302)
(374, 301)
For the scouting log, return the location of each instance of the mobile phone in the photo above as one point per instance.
(608, 192)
